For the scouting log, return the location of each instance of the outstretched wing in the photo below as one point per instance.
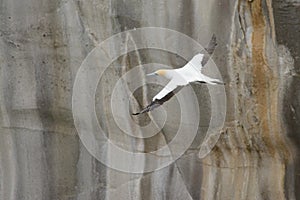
(209, 49)
(199, 60)
(164, 95)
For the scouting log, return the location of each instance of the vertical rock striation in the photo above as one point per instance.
(44, 42)
(254, 154)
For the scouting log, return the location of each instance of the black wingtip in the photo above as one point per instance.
(211, 45)
(213, 37)
(213, 40)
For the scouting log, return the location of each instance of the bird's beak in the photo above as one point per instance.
(151, 74)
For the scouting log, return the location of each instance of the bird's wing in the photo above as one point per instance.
(195, 62)
(164, 95)
(172, 85)
(200, 60)
(209, 49)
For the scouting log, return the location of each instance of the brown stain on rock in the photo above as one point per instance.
(265, 86)
(252, 152)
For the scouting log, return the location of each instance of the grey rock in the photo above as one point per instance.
(42, 46)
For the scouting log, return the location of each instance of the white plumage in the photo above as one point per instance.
(191, 72)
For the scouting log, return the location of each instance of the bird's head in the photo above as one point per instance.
(160, 72)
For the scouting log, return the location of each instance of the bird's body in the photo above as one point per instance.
(191, 72)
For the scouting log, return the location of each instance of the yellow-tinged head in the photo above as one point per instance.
(161, 72)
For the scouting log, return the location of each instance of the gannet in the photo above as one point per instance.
(189, 73)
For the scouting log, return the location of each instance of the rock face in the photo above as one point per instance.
(43, 44)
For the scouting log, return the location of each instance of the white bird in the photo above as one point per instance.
(189, 73)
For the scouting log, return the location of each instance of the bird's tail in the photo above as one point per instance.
(218, 82)
(214, 81)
